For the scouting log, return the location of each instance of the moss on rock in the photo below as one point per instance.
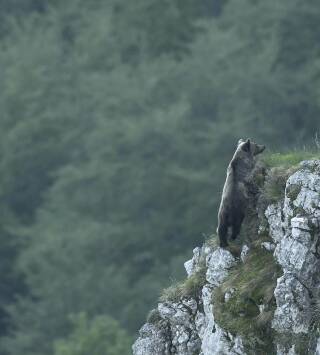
(249, 309)
(154, 317)
(293, 191)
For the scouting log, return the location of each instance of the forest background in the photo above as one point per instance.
(117, 121)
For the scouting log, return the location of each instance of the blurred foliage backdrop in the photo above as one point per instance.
(117, 120)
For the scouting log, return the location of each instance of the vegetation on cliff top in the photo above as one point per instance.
(279, 166)
(289, 159)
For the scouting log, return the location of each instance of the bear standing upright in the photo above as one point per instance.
(234, 198)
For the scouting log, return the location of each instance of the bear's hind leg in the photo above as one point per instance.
(223, 233)
(236, 227)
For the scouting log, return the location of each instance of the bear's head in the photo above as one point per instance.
(250, 147)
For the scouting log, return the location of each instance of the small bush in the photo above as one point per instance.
(190, 288)
(275, 183)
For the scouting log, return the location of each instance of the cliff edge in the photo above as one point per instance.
(261, 295)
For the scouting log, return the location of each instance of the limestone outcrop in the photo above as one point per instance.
(263, 295)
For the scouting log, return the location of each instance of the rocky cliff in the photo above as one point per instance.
(261, 295)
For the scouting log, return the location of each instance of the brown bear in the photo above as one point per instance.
(234, 198)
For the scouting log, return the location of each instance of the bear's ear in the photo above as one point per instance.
(246, 146)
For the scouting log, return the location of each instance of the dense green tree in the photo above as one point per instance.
(12, 282)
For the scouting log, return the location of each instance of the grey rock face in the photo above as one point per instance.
(294, 228)
(295, 252)
(180, 317)
(192, 265)
(293, 304)
(229, 294)
(318, 347)
(281, 350)
(187, 326)
(274, 217)
(215, 340)
(268, 246)
(218, 264)
(152, 340)
(244, 252)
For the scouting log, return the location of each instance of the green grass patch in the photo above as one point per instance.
(212, 241)
(254, 282)
(189, 288)
(301, 342)
(275, 182)
(279, 167)
(289, 159)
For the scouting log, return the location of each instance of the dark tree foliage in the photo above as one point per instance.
(12, 283)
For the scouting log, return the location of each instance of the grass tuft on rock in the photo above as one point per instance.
(279, 167)
(189, 288)
(250, 308)
(154, 317)
(275, 183)
(212, 241)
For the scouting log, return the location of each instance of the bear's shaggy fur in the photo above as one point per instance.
(235, 197)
